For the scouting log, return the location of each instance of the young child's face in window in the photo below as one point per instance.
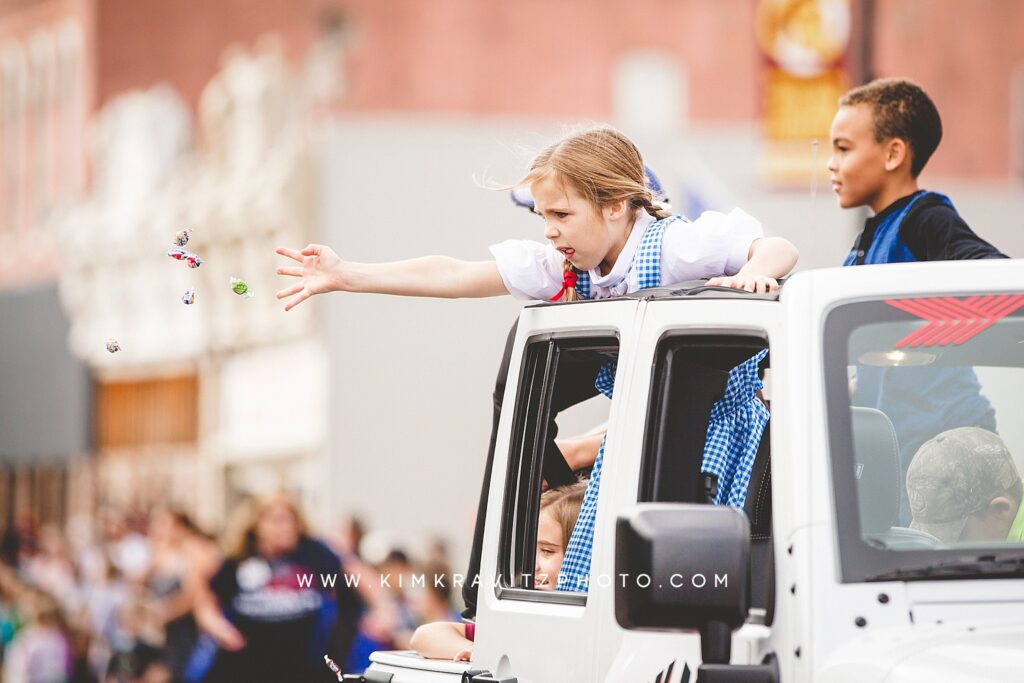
(858, 160)
(550, 552)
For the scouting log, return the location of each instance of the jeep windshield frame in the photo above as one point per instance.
(864, 334)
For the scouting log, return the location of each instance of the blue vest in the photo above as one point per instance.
(886, 245)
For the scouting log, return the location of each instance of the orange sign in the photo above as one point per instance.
(804, 43)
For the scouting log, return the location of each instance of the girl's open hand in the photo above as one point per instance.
(759, 284)
(318, 273)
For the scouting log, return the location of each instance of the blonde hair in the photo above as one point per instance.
(604, 166)
(563, 504)
(240, 537)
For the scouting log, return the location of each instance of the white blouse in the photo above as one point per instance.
(712, 245)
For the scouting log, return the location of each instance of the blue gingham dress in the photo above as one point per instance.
(733, 435)
(737, 423)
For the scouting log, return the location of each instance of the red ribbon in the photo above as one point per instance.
(568, 282)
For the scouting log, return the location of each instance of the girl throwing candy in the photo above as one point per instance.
(606, 237)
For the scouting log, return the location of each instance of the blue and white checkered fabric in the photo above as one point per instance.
(648, 255)
(575, 572)
(605, 382)
(737, 423)
(583, 285)
(647, 259)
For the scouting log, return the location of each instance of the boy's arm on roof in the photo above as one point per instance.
(936, 232)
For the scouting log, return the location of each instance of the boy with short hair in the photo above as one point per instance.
(882, 137)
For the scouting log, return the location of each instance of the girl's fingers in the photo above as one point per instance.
(290, 253)
(754, 284)
(289, 270)
(299, 298)
(311, 250)
(294, 289)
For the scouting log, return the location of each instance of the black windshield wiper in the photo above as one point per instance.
(985, 565)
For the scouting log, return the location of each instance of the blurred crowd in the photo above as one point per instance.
(153, 598)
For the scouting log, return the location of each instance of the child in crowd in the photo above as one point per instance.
(40, 651)
(558, 511)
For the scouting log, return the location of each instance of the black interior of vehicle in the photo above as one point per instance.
(690, 376)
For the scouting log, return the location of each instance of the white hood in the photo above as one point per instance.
(929, 654)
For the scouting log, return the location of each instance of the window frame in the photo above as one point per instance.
(860, 562)
(670, 342)
(538, 377)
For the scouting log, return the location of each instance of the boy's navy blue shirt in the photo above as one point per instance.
(932, 230)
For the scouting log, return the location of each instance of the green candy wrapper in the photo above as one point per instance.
(239, 287)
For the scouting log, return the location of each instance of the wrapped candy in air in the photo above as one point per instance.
(188, 257)
(182, 236)
(113, 346)
(240, 288)
(189, 297)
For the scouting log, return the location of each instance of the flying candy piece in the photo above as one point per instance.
(188, 257)
(113, 346)
(241, 288)
(181, 238)
(189, 297)
(332, 666)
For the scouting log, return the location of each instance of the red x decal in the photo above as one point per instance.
(951, 321)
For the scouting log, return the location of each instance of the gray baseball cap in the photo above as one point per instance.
(955, 475)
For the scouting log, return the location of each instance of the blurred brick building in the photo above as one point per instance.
(681, 74)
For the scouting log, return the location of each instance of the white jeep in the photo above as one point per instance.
(821, 576)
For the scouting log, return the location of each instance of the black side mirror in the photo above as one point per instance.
(681, 566)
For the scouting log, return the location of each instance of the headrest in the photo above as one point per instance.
(876, 456)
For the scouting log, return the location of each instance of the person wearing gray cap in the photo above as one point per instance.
(964, 487)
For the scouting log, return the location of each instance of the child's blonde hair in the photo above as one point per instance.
(563, 504)
(604, 166)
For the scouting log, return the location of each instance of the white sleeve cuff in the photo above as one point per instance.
(530, 270)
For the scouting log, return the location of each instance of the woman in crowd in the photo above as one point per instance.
(271, 606)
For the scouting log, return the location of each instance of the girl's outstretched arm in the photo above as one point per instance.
(769, 258)
(321, 271)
